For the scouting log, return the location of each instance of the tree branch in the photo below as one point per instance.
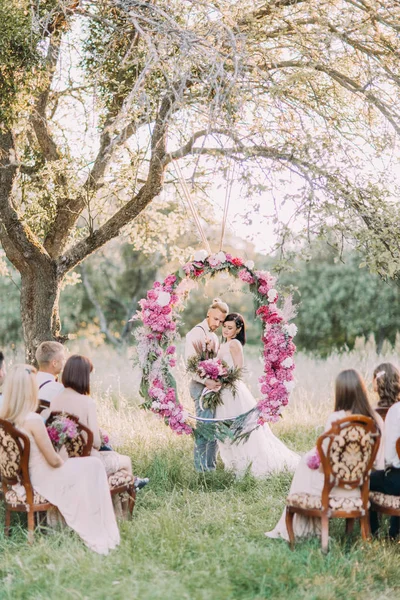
(146, 194)
(99, 311)
(345, 82)
(20, 244)
(39, 119)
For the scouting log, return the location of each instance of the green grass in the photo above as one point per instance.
(198, 538)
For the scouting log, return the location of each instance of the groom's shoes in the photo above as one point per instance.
(141, 482)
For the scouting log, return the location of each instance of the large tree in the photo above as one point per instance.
(99, 99)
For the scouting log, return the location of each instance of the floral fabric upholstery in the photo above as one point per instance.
(75, 447)
(10, 455)
(120, 478)
(350, 452)
(312, 502)
(17, 495)
(385, 500)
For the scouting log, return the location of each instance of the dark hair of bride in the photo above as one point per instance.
(351, 394)
(239, 322)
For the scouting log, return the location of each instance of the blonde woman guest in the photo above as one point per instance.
(76, 400)
(78, 486)
(350, 399)
(386, 383)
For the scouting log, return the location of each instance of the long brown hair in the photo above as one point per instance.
(388, 384)
(76, 374)
(351, 394)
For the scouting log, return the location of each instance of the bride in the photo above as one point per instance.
(263, 452)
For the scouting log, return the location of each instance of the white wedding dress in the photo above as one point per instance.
(263, 452)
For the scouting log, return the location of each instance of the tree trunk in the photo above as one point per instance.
(40, 292)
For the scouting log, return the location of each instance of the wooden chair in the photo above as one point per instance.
(382, 411)
(82, 445)
(119, 482)
(386, 503)
(18, 493)
(347, 454)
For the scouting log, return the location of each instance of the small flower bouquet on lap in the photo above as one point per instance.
(313, 459)
(62, 430)
(105, 441)
(217, 370)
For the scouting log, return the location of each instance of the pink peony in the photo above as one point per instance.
(245, 276)
(314, 460)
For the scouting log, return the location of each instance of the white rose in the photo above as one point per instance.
(221, 256)
(249, 264)
(200, 255)
(288, 362)
(291, 329)
(272, 295)
(156, 405)
(163, 298)
(289, 385)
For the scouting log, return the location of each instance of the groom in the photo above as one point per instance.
(205, 451)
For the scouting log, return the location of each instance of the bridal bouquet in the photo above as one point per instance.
(217, 370)
(61, 430)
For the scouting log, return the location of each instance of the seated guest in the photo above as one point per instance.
(386, 382)
(50, 357)
(350, 399)
(78, 487)
(387, 480)
(2, 375)
(75, 399)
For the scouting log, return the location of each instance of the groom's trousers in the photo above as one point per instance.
(205, 451)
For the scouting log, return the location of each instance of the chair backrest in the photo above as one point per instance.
(347, 454)
(82, 445)
(14, 458)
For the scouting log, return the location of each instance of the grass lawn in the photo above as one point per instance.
(198, 538)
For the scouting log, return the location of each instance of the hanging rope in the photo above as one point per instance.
(192, 206)
(229, 184)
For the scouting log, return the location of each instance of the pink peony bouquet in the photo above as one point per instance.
(217, 370)
(61, 430)
(212, 368)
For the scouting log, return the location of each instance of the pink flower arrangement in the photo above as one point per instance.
(105, 438)
(212, 368)
(313, 460)
(157, 351)
(61, 430)
(245, 276)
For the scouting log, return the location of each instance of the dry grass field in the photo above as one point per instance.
(201, 537)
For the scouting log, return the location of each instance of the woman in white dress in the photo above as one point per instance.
(263, 452)
(77, 486)
(350, 398)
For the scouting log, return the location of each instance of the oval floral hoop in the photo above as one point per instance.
(156, 350)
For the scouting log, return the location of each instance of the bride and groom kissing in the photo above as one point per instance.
(263, 453)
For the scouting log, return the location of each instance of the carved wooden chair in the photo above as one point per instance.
(386, 503)
(347, 453)
(80, 446)
(120, 482)
(18, 493)
(382, 411)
